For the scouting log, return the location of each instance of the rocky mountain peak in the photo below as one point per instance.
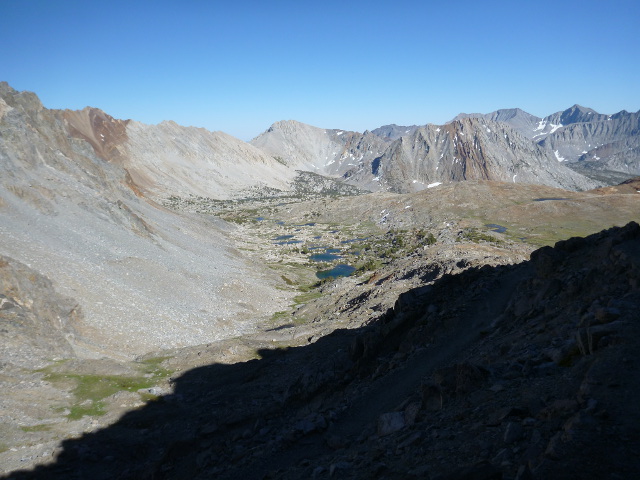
(393, 131)
(470, 149)
(604, 147)
(26, 101)
(105, 134)
(287, 126)
(578, 114)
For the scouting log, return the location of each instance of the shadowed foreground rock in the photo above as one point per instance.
(524, 371)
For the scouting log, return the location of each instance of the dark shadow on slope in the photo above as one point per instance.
(274, 417)
(375, 165)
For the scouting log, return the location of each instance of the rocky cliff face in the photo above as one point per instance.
(467, 149)
(605, 147)
(598, 142)
(471, 149)
(36, 320)
(522, 122)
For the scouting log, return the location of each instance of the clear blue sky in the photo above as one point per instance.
(239, 66)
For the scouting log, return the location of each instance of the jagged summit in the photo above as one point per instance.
(576, 114)
(472, 149)
(316, 148)
(605, 147)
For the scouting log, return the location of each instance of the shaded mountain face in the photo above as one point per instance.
(482, 372)
(605, 147)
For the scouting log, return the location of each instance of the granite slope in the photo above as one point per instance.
(145, 277)
(169, 159)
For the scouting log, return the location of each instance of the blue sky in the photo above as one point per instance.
(240, 66)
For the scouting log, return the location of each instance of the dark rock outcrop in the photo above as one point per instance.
(35, 321)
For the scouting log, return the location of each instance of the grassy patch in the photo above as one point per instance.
(368, 265)
(564, 232)
(278, 316)
(36, 428)
(93, 409)
(476, 236)
(90, 390)
(153, 366)
(307, 297)
(294, 274)
(287, 280)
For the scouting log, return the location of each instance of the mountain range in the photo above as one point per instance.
(576, 149)
(507, 145)
(94, 186)
(175, 302)
(605, 147)
(465, 149)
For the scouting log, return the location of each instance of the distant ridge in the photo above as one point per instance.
(407, 159)
(169, 159)
(604, 147)
(508, 145)
(516, 118)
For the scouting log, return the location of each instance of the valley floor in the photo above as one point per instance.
(445, 348)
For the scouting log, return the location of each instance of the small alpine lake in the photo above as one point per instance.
(340, 270)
